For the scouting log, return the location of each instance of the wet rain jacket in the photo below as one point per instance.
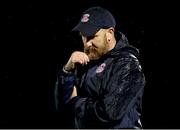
(110, 90)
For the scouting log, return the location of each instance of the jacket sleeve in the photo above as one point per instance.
(63, 88)
(122, 86)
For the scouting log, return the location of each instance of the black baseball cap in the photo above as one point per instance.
(94, 19)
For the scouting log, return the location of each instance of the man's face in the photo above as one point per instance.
(97, 45)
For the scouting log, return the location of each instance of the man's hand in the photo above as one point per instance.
(76, 57)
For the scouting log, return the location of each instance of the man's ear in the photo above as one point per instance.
(111, 30)
(110, 33)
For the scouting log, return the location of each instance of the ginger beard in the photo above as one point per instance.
(95, 52)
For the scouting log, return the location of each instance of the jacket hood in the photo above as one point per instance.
(123, 46)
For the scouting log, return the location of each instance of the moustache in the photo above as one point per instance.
(90, 49)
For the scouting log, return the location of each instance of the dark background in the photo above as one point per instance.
(39, 41)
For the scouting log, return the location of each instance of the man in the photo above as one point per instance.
(101, 87)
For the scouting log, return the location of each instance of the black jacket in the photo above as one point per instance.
(110, 90)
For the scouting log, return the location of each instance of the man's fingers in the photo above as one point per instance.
(86, 58)
(80, 57)
(76, 57)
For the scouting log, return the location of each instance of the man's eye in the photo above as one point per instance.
(89, 38)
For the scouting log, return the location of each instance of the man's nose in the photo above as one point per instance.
(89, 43)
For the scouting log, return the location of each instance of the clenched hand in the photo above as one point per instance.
(76, 57)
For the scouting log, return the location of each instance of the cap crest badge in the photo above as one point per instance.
(85, 18)
(100, 68)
